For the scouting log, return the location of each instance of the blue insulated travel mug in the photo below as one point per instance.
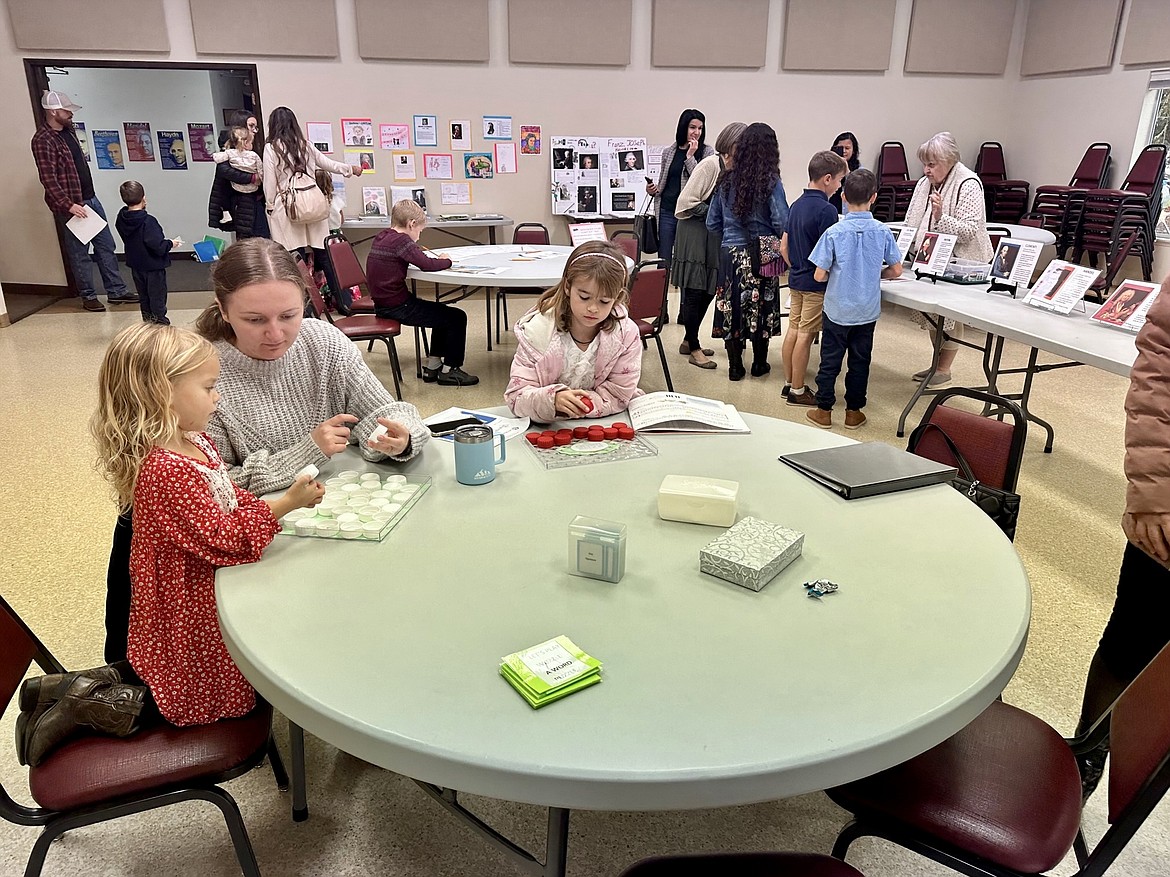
(475, 454)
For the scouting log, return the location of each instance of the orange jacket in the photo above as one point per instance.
(1147, 414)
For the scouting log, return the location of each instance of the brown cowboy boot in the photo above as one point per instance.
(41, 692)
(106, 707)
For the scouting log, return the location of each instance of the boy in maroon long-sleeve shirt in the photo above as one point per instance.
(391, 254)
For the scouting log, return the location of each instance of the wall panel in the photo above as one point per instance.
(1147, 33)
(1063, 36)
(596, 33)
(957, 36)
(107, 26)
(866, 26)
(288, 28)
(437, 30)
(735, 37)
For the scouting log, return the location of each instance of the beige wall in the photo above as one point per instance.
(1043, 123)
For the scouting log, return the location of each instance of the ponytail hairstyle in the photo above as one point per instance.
(603, 262)
(136, 398)
(252, 260)
(287, 139)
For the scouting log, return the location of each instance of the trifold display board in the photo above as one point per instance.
(598, 175)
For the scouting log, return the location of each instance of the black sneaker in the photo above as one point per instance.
(787, 389)
(430, 375)
(92, 304)
(127, 299)
(456, 377)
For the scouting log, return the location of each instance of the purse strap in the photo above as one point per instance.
(920, 431)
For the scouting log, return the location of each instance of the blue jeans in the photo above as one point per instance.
(103, 254)
(835, 341)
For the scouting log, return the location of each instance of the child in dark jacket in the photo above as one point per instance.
(148, 252)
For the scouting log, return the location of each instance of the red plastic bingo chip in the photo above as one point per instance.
(562, 439)
(596, 436)
(549, 432)
(564, 432)
(625, 432)
(545, 441)
(580, 432)
(532, 437)
(586, 402)
(610, 433)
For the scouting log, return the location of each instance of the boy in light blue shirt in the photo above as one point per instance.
(854, 256)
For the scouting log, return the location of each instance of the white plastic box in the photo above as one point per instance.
(698, 500)
(597, 548)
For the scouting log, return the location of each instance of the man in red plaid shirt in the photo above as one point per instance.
(64, 173)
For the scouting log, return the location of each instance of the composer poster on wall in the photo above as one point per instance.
(173, 150)
(201, 141)
(107, 146)
(139, 143)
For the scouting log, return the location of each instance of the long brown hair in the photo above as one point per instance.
(252, 260)
(603, 262)
(287, 140)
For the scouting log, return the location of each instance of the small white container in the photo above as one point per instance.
(393, 509)
(367, 513)
(395, 479)
(351, 487)
(349, 476)
(327, 527)
(373, 529)
(306, 526)
(597, 548)
(352, 530)
(355, 503)
(382, 494)
(295, 515)
(333, 482)
(379, 503)
(326, 511)
(369, 477)
(698, 500)
(347, 518)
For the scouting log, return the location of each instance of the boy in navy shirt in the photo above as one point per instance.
(854, 256)
(810, 217)
(148, 252)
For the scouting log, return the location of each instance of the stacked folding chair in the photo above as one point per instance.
(895, 187)
(1059, 207)
(1006, 200)
(1109, 216)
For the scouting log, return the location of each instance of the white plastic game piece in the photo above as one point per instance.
(373, 529)
(310, 470)
(382, 494)
(370, 477)
(347, 518)
(395, 479)
(333, 482)
(352, 530)
(351, 487)
(326, 511)
(379, 502)
(377, 434)
(348, 476)
(367, 513)
(327, 527)
(295, 515)
(393, 509)
(306, 526)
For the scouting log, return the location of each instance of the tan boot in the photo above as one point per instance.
(106, 707)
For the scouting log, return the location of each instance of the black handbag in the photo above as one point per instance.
(646, 228)
(1002, 506)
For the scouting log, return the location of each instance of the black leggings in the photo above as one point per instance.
(1140, 624)
(118, 591)
(693, 311)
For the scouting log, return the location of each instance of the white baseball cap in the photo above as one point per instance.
(58, 100)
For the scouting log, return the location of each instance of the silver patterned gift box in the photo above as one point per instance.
(751, 553)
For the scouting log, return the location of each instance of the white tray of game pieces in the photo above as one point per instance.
(360, 506)
(582, 452)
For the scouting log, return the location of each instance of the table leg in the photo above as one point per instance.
(487, 312)
(1027, 391)
(556, 851)
(492, 235)
(300, 801)
(939, 337)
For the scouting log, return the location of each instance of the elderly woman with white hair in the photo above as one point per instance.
(949, 200)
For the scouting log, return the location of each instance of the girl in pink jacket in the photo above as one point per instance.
(578, 354)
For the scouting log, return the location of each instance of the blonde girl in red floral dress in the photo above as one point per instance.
(156, 394)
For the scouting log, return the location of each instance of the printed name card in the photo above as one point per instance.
(1061, 287)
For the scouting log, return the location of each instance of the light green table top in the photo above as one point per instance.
(712, 695)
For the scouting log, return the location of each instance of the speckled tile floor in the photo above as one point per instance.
(367, 821)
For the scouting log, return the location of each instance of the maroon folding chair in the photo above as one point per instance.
(1006, 200)
(648, 287)
(1054, 204)
(742, 865)
(1002, 798)
(531, 234)
(895, 188)
(359, 327)
(93, 779)
(628, 241)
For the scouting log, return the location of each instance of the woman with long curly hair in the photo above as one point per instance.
(748, 203)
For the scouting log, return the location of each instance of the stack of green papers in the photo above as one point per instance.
(550, 671)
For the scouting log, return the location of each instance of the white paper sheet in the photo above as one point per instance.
(85, 230)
